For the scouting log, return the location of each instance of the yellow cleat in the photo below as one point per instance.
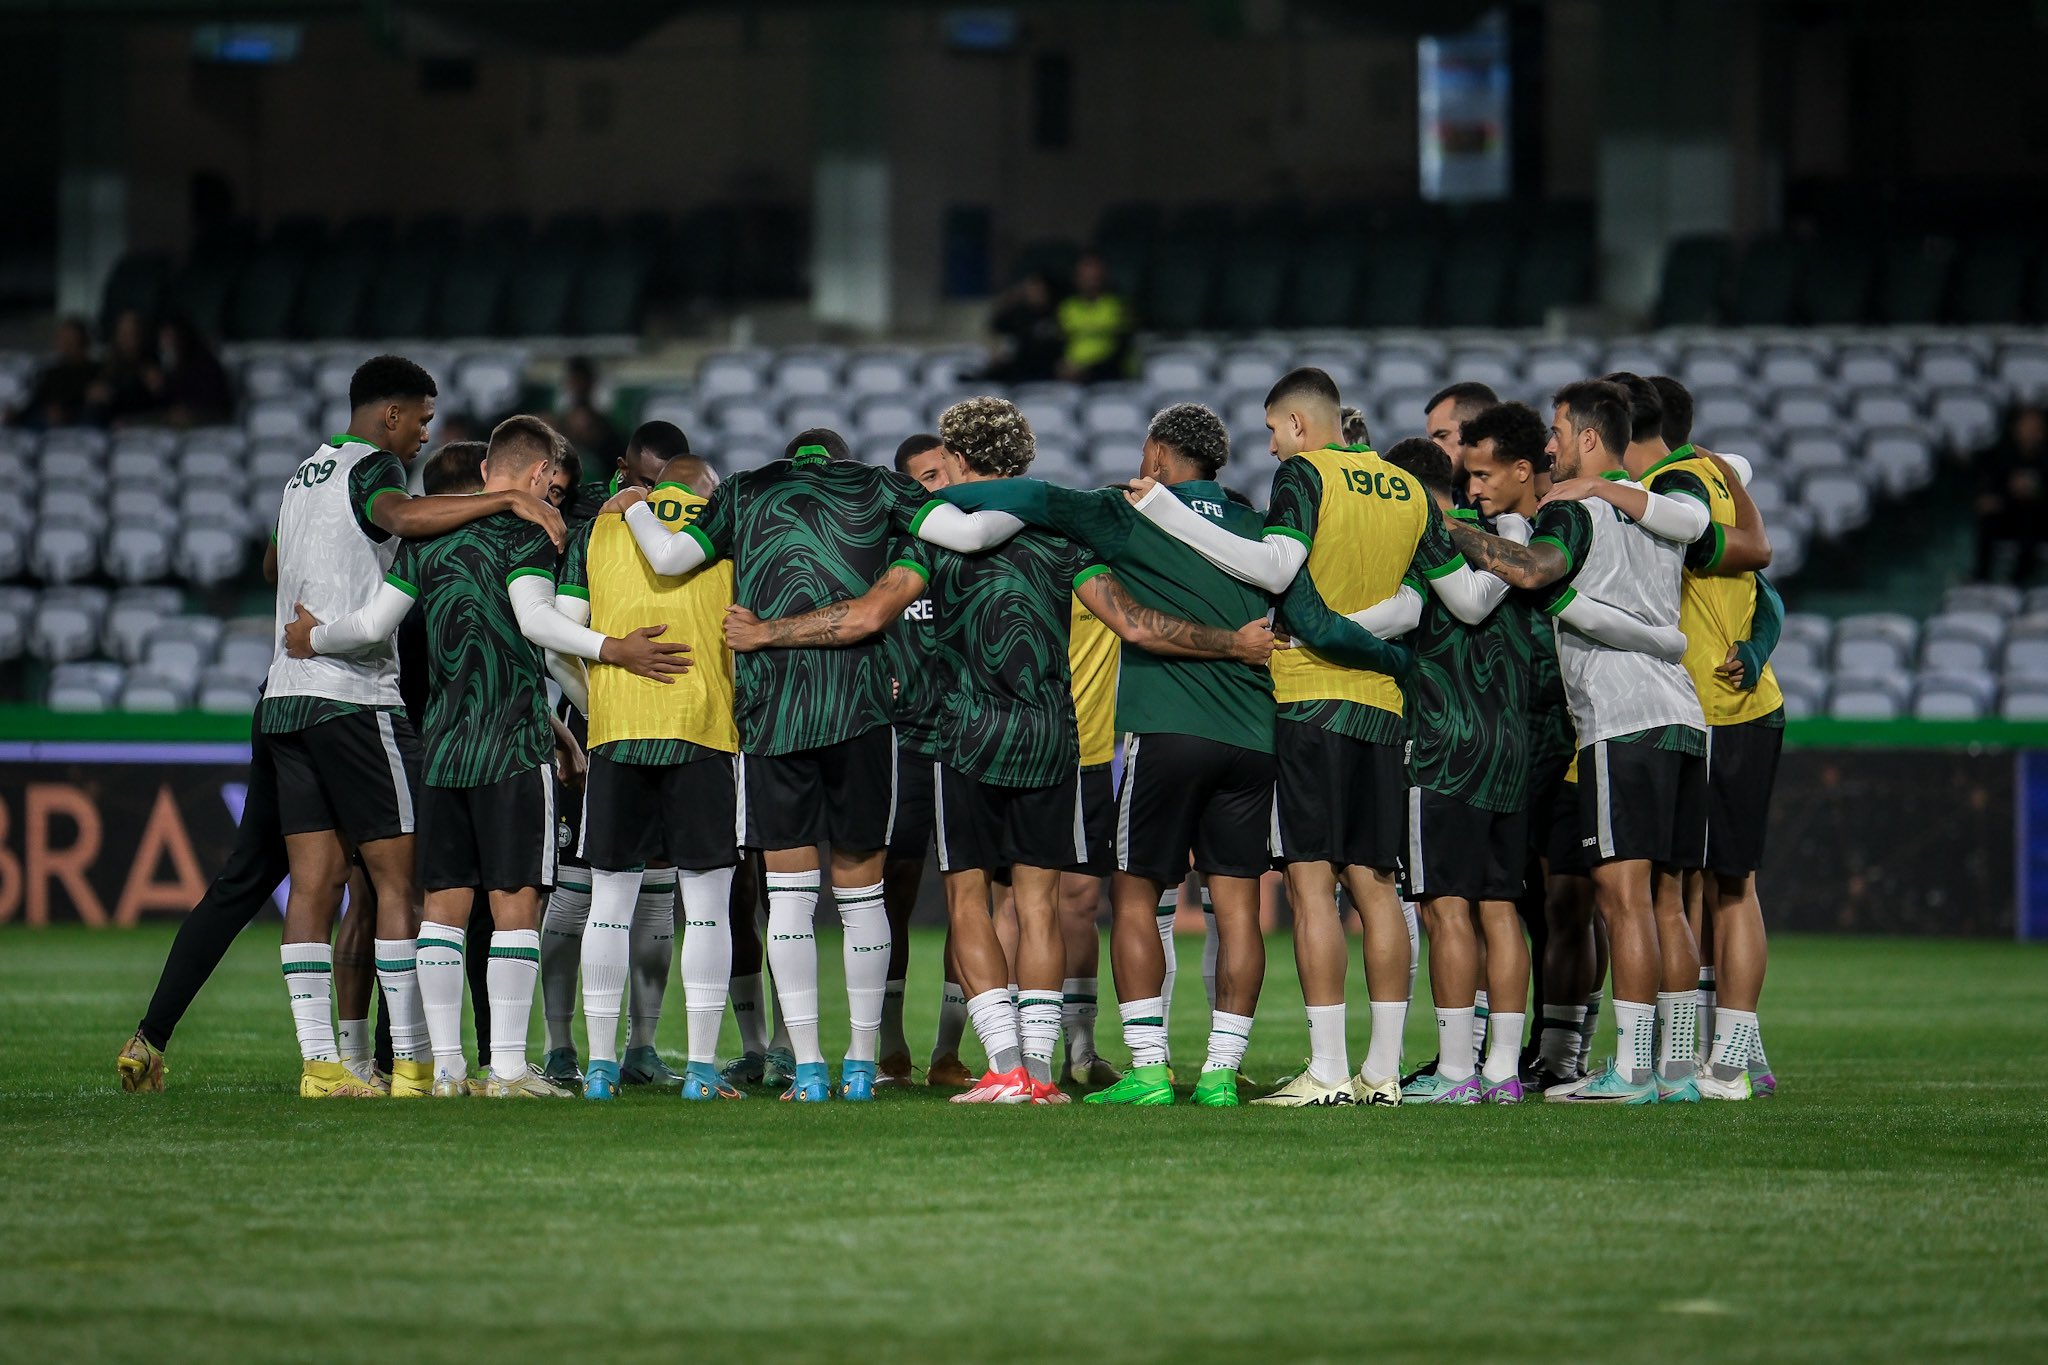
(141, 1067)
(455, 1088)
(1304, 1091)
(333, 1081)
(412, 1080)
(1379, 1094)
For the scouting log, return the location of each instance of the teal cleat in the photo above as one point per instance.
(1609, 1087)
(749, 1068)
(561, 1068)
(601, 1081)
(778, 1068)
(857, 1080)
(1684, 1090)
(701, 1081)
(1435, 1088)
(643, 1066)
(812, 1084)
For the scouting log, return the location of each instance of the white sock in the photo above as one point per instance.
(510, 977)
(749, 1008)
(1479, 1017)
(1504, 1054)
(1635, 1028)
(354, 1042)
(309, 985)
(1144, 1030)
(1756, 1050)
(1587, 1030)
(952, 1021)
(793, 958)
(1329, 1056)
(438, 955)
(651, 948)
(1383, 1049)
(1453, 1042)
(398, 974)
(1038, 1029)
(1210, 948)
(1229, 1034)
(1706, 995)
(707, 957)
(1079, 1000)
(607, 953)
(893, 1043)
(1678, 1028)
(1559, 1046)
(1735, 1039)
(995, 1023)
(1413, 921)
(864, 949)
(561, 952)
(1169, 910)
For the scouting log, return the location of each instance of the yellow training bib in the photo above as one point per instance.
(1715, 611)
(1092, 653)
(625, 595)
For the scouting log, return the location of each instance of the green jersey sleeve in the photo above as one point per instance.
(915, 555)
(530, 553)
(1765, 628)
(404, 573)
(1310, 620)
(574, 580)
(905, 497)
(1435, 554)
(1568, 527)
(713, 527)
(1703, 554)
(373, 477)
(1296, 503)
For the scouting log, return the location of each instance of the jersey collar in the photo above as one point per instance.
(1351, 450)
(1684, 452)
(1618, 475)
(345, 439)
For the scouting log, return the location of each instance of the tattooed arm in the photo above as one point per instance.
(827, 627)
(1155, 632)
(1535, 565)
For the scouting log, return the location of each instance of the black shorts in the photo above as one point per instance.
(982, 825)
(843, 795)
(1742, 767)
(1457, 849)
(1337, 799)
(910, 835)
(683, 814)
(1183, 795)
(1098, 823)
(356, 774)
(1554, 830)
(498, 837)
(1639, 802)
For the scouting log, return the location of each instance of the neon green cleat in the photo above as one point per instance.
(1217, 1090)
(1143, 1085)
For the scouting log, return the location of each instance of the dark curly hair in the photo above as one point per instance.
(990, 434)
(1516, 430)
(1194, 433)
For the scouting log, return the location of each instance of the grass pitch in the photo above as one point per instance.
(1889, 1204)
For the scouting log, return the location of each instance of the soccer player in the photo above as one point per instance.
(1641, 737)
(1008, 781)
(346, 756)
(1731, 618)
(818, 756)
(661, 784)
(1358, 526)
(1444, 417)
(487, 803)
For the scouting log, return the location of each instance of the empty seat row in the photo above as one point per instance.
(1925, 696)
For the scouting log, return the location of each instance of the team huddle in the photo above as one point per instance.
(1508, 686)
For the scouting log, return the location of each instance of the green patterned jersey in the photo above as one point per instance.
(1552, 740)
(917, 680)
(1468, 705)
(487, 714)
(1006, 714)
(804, 534)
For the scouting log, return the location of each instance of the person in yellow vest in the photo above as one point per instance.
(1358, 526)
(1092, 653)
(661, 786)
(1731, 618)
(1095, 323)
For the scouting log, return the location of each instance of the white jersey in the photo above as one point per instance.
(326, 560)
(1616, 691)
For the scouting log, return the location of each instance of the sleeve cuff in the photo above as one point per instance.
(571, 590)
(370, 503)
(1090, 572)
(917, 522)
(920, 570)
(528, 571)
(399, 583)
(1308, 541)
(703, 541)
(1556, 605)
(1449, 566)
(1720, 535)
(1562, 549)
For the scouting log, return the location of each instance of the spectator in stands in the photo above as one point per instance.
(580, 419)
(1029, 343)
(1095, 324)
(188, 382)
(1356, 433)
(2012, 502)
(120, 392)
(57, 398)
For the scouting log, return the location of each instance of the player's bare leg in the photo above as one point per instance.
(984, 973)
(1742, 951)
(1624, 896)
(389, 865)
(354, 975)
(1041, 967)
(1240, 954)
(1386, 980)
(1080, 907)
(1455, 969)
(514, 972)
(1507, 988)
(865, 942)
(1321, 958)
(946, 1068)
(1677, 997)
(901, 880)
(320, 870)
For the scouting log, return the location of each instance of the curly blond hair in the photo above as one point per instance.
(990, 434)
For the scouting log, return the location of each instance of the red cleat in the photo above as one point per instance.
(1002, 1087)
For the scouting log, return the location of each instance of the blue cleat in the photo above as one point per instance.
(857, 1080)
(601, 1081)
(778, 1068)
(1609, 1087)
(701, 1081)
(812, 1085)
(1683, 1090)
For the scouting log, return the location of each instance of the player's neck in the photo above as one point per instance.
(1641, 456)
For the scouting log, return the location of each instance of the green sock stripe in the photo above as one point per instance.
(528, 954)
(410, 964)
(1155, 1021)
(1231, 1033)
(293, 968)
(1080, 999)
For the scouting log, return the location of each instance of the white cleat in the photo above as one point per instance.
(1304, 1091)
(1712, 1087)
